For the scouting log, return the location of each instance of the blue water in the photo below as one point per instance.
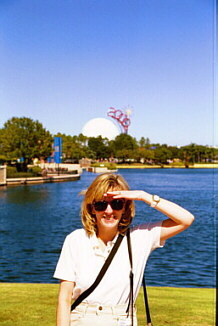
(34, 221)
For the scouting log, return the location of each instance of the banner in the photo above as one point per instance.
(57, 150)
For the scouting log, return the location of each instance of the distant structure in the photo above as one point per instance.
(56, 156)
(107, 128)
(100, 127)
(2, 175)
(121, 117)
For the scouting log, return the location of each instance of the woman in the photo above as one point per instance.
(107, 210)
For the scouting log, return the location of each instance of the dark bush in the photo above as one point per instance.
(35, 170)
(32, 172)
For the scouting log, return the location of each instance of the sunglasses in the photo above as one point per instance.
(116, 204)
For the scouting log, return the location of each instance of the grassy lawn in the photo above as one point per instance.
(179, 306)
(35, 305)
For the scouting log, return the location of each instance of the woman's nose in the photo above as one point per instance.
(109, 209)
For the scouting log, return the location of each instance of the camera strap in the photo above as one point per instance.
(103, 270)
(131, 300)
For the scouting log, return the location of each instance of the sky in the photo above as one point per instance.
(64, 62)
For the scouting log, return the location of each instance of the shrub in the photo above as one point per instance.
(110, 166)
(35, 170)
(177, 164)
(11, 171)
(32, 172)
(96, 165)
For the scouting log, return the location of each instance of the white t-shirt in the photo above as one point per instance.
(81, 260)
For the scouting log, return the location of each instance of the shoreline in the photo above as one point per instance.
(149, 286)
(195, 166)
(40, 180)
(74, 177)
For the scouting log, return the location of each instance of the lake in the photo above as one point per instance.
(34, 221)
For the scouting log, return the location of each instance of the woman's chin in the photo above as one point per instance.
(112, 222)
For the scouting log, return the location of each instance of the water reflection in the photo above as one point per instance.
(26, 194)
(34, 221)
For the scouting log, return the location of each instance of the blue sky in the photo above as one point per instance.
(66, 62)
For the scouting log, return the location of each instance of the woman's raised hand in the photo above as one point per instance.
(126, 194)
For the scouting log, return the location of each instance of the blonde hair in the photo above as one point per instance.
(103, 183)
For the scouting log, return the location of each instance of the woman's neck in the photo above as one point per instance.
(106, 235)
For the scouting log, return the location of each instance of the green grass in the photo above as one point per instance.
(179, 306)
(110, 166)
(35, 305)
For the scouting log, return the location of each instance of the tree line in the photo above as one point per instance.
(28, 139)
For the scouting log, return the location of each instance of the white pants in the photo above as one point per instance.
(97, 315)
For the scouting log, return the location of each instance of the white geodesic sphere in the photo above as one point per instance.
(100, 127)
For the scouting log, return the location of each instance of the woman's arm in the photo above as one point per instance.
(64, 303)
(178, 220)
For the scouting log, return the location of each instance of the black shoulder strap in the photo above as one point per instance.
(131, 277)
(148, 316)
(131, 286)
(100, 275)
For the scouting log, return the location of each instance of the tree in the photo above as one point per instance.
(142, 153)
(82, 139)
(125, 154)
(124, 141)
(72, 148)
(25, 138)
(97, 146)
(162, 154)
(188, 153)
(196, 153)
(144, 142)
(175, 152)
